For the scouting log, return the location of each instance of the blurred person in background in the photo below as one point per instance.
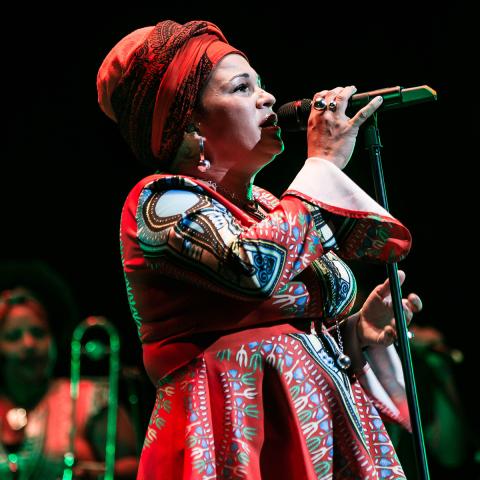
(452, 445)
(36, 407)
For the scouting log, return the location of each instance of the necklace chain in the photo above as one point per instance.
(222, 189)
(250, 205)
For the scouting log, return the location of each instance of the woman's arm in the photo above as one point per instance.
(189, 229)
(368, 337)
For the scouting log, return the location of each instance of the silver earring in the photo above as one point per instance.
(203, 163)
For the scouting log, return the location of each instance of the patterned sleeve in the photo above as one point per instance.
(362, 228)
(191, 230)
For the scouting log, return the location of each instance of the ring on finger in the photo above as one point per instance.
(332, 106)
(320, 104)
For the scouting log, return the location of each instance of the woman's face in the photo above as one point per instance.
(26, 345)
(233, 108)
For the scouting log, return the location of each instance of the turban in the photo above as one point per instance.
(151, 80)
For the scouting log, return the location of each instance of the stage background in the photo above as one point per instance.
(66, 170)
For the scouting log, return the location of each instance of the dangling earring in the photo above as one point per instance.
(203, 163)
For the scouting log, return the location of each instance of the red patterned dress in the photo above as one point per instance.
(225, 301)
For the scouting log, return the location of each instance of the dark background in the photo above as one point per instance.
(66, 171)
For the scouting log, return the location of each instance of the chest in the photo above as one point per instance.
(325, 289)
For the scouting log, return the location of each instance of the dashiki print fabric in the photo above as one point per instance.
(233, 311)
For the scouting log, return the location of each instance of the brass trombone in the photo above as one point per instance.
(95, 350)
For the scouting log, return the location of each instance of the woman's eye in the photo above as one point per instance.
(243, 87)
(38, 332)
(12, 335)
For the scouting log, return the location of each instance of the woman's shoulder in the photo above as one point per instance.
(173, 195)
(162, 183)
(169, 181)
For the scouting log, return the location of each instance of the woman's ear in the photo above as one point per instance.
(191, 128)
(197, 118)
(188, 152)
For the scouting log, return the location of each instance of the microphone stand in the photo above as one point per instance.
(373, 145)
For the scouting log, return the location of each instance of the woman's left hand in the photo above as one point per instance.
(376, 324)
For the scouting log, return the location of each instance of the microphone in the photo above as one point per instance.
(293, 116)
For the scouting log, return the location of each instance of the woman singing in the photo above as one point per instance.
(242, 299)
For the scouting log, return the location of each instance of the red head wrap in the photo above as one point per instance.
(151, 80)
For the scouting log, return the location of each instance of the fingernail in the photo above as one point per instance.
(379, 99)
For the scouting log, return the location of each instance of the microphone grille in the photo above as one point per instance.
(293, 116)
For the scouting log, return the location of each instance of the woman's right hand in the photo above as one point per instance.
(331, 134)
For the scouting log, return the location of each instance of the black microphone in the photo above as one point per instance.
(293, 116)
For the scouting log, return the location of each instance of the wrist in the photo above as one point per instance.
(324, 156)
(353, 347)
(358, 331)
